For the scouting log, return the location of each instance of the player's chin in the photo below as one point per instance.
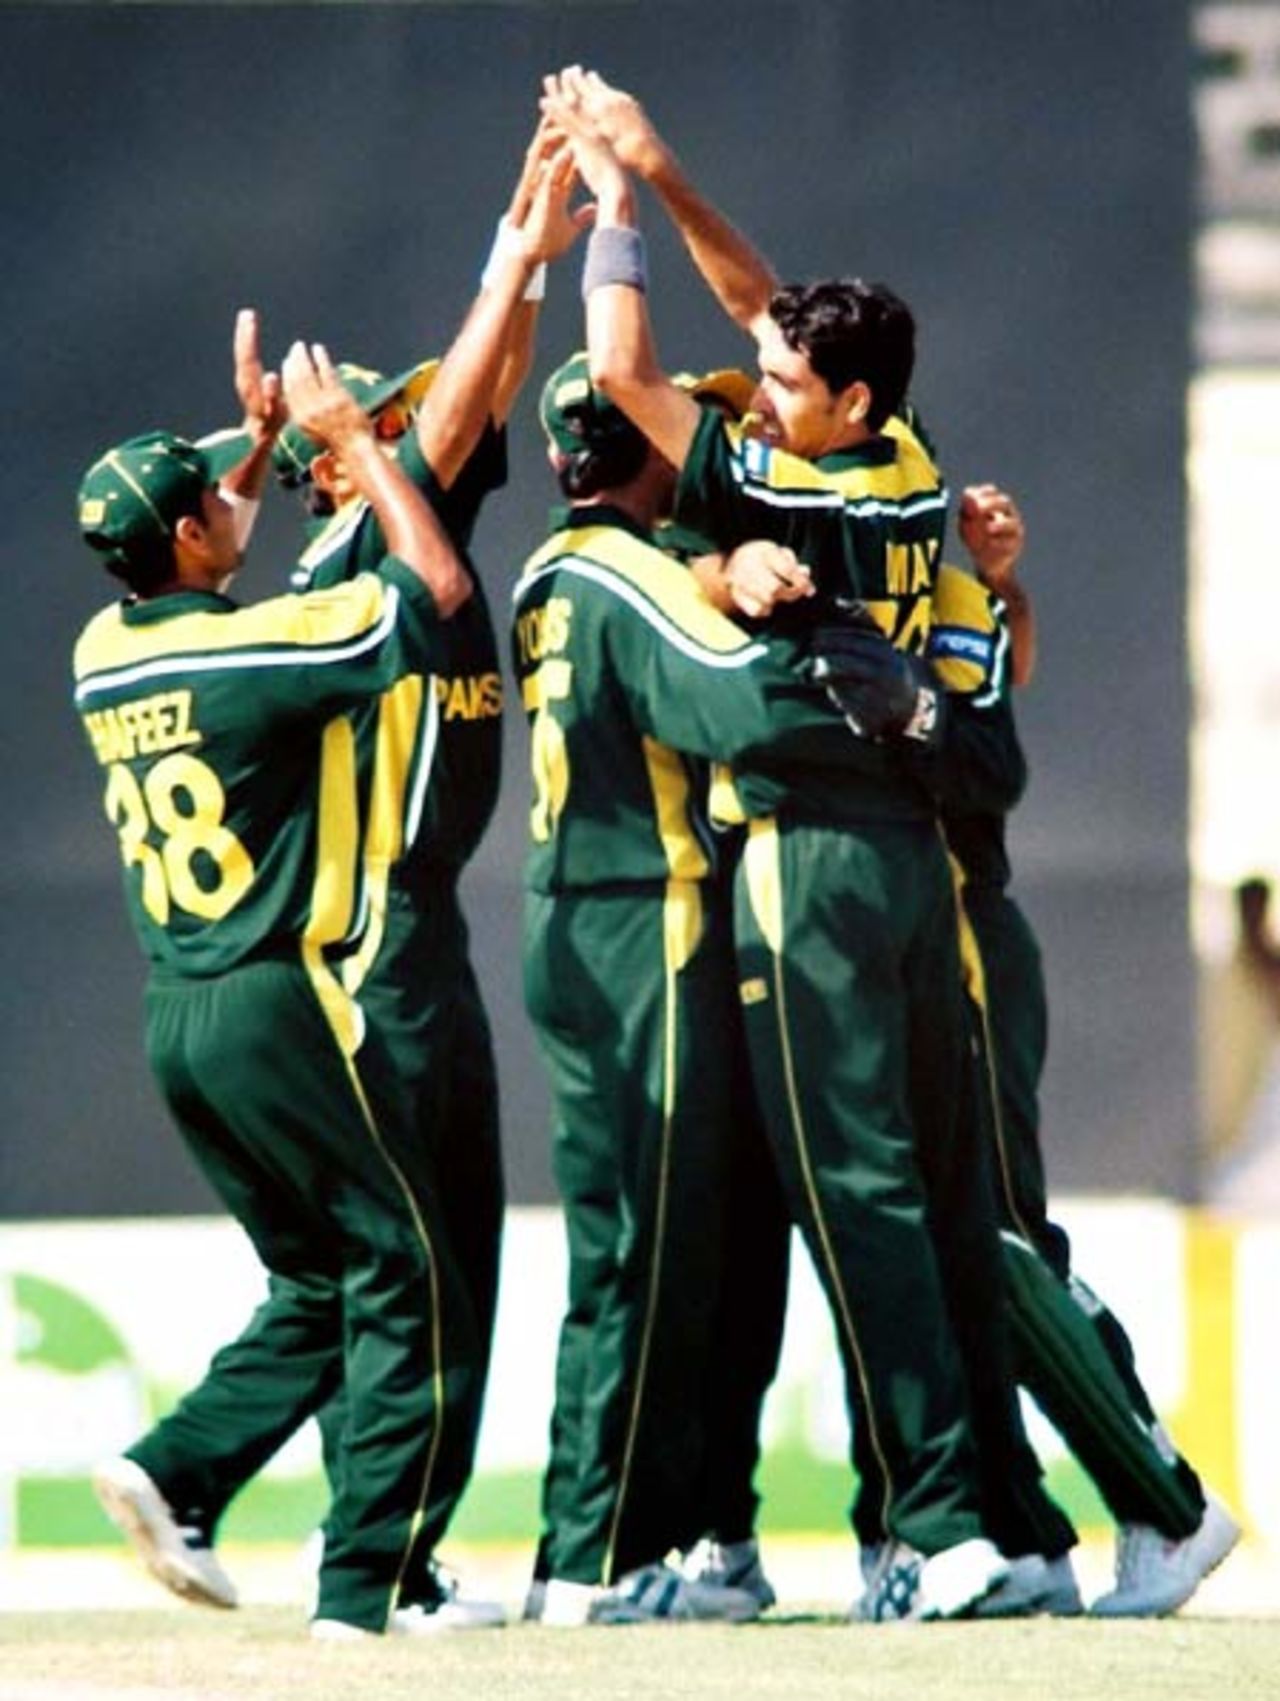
(762, 429)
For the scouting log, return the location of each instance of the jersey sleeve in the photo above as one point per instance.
(710, 499)
(698, 682)
(980, 767)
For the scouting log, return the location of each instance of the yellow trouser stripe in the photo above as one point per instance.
(681, 918)
(975, 980)
(335, 1001)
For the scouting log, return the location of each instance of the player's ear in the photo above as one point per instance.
(189, 531)
(855, 399)
(324, 471)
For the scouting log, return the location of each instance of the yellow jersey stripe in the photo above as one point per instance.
(661, 590)
(111, 657)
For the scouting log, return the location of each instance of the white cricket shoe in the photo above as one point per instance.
(949, 1584)
(443, 1608)
(729, 1565)
(177, 1555)
(652, 1594)
(1156, 1575)
(869, 1556)
(1034, 1585)
(338, 1630)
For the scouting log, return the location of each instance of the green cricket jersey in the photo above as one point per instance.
(459, 730)
(626, 672)
(225, 739)
(869, 521)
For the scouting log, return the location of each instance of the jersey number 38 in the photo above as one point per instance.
(171, 826)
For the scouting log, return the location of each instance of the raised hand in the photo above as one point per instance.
(992, 530)
(318, 400)
(616, 117)
(260, 392)
(549, 225)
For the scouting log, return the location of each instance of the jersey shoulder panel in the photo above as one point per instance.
(313, 626)
(660, 591)
(907, 479)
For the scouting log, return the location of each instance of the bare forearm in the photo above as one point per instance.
(1021, 615)
(467, 387)
(620, 340)
(737, 274)
(517, 361)
(409, 525)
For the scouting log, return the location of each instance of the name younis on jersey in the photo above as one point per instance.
(541, 634)
(543, 631)
(142, 726)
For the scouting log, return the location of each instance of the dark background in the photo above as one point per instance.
(1018, 169)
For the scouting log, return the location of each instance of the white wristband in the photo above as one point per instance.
(509, 245)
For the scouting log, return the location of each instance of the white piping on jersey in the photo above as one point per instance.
(230, 661)
(425, 763)
(860, 508)
(334, 538)
(584, 568)
(751, 459)
(1003, 645)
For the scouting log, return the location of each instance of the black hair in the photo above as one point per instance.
(851, 331)
(318, 503)
(615, 461)
(147, 564)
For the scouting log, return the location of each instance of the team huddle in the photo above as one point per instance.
(769, 952)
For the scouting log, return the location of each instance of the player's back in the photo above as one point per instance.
(229, 766)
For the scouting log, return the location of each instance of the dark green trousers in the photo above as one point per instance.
(752, 1292)
(1071, 1352)
(422, 997)
(305, 1133)
(850, 980)
(629, 992)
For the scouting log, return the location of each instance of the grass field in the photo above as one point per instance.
(259, 1654)
(98, 1629)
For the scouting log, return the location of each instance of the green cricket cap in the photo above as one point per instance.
(294, 450)
(136, 493)
(575, 415)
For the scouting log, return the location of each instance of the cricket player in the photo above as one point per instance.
(225, 742)
(410, 970)
(1072, 1352)
(626, 672)
(892, 1193)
